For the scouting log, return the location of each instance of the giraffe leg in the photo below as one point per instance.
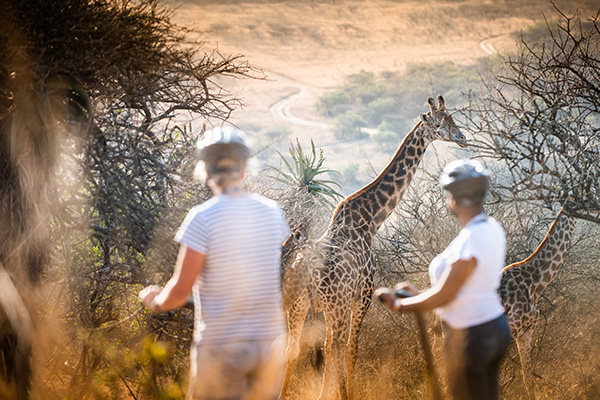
(358, 314)
(335, 373)
(296, 315)
(338, 358)
(524, 345)
(329, 363)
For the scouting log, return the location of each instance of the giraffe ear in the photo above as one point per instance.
(441, 103)
(424, 118)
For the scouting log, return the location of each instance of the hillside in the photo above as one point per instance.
(307, 47)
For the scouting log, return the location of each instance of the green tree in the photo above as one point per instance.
(348, 126)
(378, 109)
(333, 103)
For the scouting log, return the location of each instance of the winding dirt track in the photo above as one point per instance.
(487, 45)
(282, 108)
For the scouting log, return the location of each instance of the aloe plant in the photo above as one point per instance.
(302, 172)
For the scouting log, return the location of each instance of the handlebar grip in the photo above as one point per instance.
(403, 293)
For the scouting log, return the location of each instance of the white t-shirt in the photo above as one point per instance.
(237, 295)
(477, 301)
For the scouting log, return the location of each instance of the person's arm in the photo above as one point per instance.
(441, 294)
(179, 288)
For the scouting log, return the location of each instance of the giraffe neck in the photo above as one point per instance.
(367, 209)
(544, 263)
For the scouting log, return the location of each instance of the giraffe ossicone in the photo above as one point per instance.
(335, 273)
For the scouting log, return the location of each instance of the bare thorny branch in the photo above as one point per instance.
(541, 119)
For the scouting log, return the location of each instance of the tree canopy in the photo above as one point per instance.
(117, 49)
(540, 118)
(141, 72)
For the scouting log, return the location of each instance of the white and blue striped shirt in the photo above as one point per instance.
(238, 293)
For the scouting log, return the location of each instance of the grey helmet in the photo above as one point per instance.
(223, 142)
(467, 180)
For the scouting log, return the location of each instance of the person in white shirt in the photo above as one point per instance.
(465, 279)
(229, 260)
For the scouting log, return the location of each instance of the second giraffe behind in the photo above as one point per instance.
(523, 283)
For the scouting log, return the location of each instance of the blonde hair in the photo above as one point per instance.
(222, 164)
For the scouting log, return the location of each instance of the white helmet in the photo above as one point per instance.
(223, 142)
(466, 179)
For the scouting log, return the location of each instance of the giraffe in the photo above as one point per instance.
(523, 283)
(335, 274)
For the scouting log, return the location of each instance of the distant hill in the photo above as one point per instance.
(313, 46)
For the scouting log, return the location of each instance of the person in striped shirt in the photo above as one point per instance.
(229, 260)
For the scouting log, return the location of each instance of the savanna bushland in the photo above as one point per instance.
(100, 105)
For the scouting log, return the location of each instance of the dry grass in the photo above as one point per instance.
(319, 43)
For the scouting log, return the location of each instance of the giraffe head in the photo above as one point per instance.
(439, 124)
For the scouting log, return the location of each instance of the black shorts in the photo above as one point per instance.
(473, 357)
